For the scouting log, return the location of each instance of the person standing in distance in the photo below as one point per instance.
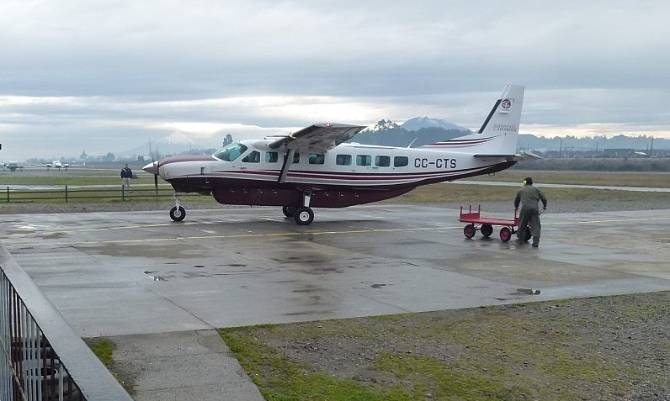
(126, 175)
(529, 197)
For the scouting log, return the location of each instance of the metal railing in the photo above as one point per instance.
(68, 194)
(41, 358)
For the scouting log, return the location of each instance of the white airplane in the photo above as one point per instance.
(315, 167)
(13, 166)
(57, 164)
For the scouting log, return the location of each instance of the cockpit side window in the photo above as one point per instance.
(231, 152)
(253, 157)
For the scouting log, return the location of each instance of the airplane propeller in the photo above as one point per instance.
(157, 163)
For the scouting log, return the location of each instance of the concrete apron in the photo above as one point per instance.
(153, 286)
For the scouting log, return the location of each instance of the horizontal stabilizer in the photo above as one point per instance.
(523, 156)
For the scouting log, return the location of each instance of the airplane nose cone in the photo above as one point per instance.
(151, 168)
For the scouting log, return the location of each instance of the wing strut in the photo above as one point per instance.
(288, 158)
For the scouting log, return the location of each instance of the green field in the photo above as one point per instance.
(463, 193)
(601, 348)
(626, 179)
(69, 178)
(437, 193)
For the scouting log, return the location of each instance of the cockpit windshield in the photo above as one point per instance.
(230, 152)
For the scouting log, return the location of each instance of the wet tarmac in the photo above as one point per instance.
(137, 272)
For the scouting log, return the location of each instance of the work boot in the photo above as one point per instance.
(536, 245)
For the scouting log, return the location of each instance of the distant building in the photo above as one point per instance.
(620, 153)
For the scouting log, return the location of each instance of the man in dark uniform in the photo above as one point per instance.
(529, 196)
(126, 175)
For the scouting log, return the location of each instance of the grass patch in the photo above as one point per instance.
(103, 349)
(281, 379)
(430, 378)
(627, 179)
(562, 351)
(465, 193)
(69, 178)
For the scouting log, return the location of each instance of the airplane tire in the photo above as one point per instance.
(486, 230)
(304, 216)
(289, 211)
(177, 214)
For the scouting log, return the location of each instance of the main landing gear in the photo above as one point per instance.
(177, 213)
(303, 215)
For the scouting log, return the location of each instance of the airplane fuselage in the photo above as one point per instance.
(346, 175)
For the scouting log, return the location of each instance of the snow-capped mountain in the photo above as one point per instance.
(416, 123)
(381, 125)
(414, 132)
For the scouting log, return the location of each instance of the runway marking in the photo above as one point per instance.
(141, 226)
(267, 235)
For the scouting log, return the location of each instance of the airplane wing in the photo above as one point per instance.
(317, 138)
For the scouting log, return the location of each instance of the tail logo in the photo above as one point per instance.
(505, 106)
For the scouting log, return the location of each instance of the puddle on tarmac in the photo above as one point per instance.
(142, 250)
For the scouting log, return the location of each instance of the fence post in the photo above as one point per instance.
(7, 193)
(66, 194)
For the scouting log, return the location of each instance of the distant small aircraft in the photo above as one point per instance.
(13, 166)
(315, 167)
(57, 164)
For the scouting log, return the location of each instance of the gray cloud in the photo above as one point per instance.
(136, 64)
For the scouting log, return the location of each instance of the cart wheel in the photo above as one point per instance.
(486, 230)
(469, 231)
(505, 234)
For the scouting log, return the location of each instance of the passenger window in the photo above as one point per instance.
(343, 160)
(316, 158)
(400, 161)
(271, 157)
(253, 157)
(363, 160)
(296, 158)
(382, 161)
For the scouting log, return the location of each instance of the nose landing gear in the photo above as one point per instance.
(177, 213)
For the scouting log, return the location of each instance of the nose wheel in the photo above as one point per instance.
(177, 213)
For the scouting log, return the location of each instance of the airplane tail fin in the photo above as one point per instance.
(499, 133)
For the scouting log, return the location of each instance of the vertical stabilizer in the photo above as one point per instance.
(499, 133)
(502, 123)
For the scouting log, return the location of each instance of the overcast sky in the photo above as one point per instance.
(109, 75)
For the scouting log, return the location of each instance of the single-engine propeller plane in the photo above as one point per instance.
(316, 167)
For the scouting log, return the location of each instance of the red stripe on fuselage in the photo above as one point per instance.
(337, 175)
